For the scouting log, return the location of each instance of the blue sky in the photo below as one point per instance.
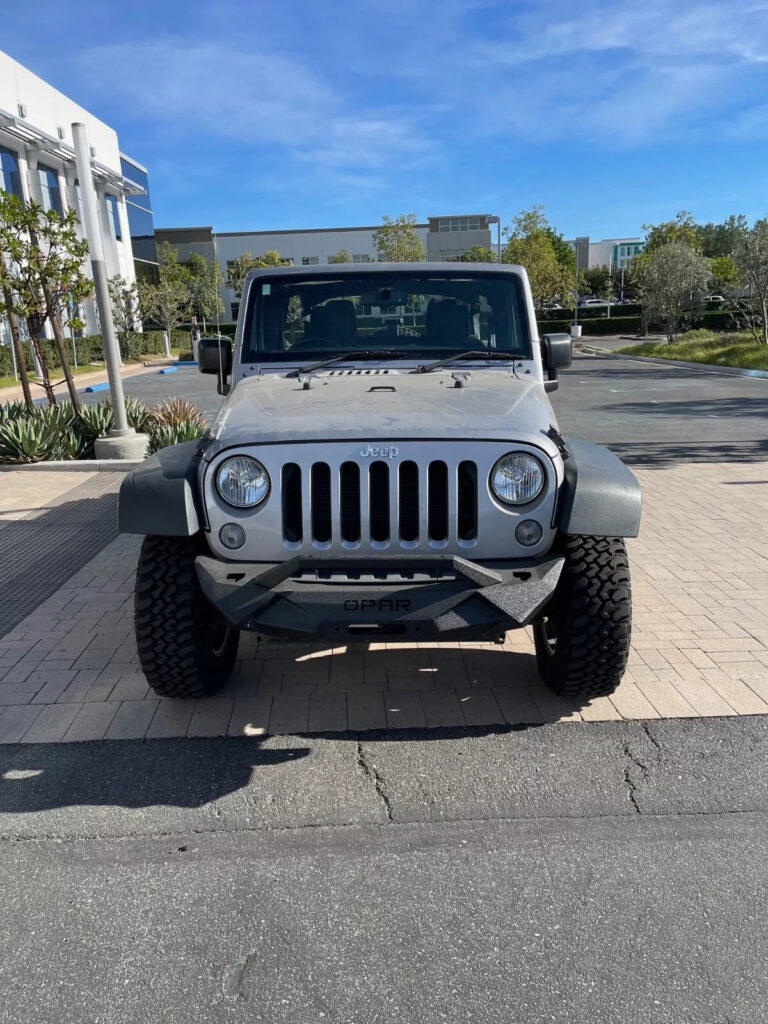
(267, 115)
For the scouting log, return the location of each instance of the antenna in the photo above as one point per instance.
(218, 314)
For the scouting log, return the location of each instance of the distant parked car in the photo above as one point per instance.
(714, 298)
(594, 302)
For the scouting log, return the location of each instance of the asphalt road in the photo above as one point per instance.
(607, 873)
(568, 874)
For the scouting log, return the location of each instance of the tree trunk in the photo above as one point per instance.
(58, 335)
(764, 310)
(50, 394)
(13, 322)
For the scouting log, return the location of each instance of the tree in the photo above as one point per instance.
(478, 254)
(397, 241)
(124, 299)
(751, 259)
(41, 271)
(595, 281)
(531, 245)
(674, 280)
(722, 239)
(205, 279)
(239, 267)
(168, 301)
(342, 256)
(682, 229)
(724, 274)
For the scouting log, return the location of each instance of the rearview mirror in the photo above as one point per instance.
(556, 354)
(214, 355)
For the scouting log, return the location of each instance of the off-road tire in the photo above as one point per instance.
(186, 648)
(582, 643)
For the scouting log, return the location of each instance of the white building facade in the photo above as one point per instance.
(37, 162)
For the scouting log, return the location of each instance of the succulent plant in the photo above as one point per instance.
(11, 411)
(95, 420)
(165, 434)
(178, 410)
(27, 440)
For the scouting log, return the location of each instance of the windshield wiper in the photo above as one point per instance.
(369, 353)
(508, 357)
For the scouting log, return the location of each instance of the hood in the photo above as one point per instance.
(367, 406)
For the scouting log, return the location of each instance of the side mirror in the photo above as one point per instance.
(214, 355)
(556, 354)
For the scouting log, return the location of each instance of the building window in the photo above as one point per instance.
(115, 216)
(10, 178)
(451, 255)
(459, 224)
(362, 257)
(307, 261)
(49, 187)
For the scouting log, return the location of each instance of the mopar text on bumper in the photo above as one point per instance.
(421, 597)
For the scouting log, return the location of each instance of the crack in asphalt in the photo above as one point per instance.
(378, 783)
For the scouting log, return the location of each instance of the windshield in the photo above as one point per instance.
(424, 315)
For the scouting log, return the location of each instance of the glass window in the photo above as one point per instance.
(115, 216)
(309, 260)
(10, 178)
(49, 186)
(139, 221)
(424, 315)
(362, 257)
(140, 177)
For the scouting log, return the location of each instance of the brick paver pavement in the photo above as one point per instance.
(69, 670)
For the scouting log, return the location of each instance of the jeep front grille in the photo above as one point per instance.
(380, 503)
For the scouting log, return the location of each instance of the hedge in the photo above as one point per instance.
(590, 312)
(91, 350)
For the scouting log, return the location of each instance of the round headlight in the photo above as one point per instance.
(242, 481)
(517, 478)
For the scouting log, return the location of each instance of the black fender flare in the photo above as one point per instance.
(161, 495)
(600, 496)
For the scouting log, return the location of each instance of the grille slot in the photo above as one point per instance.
(321, 502)
(291, 496)
(408, 501)
(467, 501)
(379, 503)
(349, 495)
(379, 484)
(437, 502)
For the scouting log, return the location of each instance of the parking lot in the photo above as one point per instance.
(343, 822)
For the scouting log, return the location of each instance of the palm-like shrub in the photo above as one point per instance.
(95, 420)
(13, 411)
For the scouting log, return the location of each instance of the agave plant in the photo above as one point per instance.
(57, 417)
(27, 440)
(73, 444)
(165, 434)
(13, 411)
(178, 410)
(95, 420)
(138, 414)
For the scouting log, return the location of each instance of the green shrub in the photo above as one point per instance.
(12, 411)
(95, 420)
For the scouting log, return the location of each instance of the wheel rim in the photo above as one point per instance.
(218, 632)
(549, 636)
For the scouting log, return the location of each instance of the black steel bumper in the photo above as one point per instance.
(422, 598)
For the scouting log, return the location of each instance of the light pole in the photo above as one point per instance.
(122, 441)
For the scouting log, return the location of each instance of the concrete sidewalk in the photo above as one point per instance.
(69, 671)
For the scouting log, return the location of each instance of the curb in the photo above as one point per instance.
(73, 466)
(726, 371)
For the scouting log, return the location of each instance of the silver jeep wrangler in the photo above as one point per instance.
(386, 466)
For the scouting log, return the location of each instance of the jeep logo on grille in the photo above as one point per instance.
(387, 451)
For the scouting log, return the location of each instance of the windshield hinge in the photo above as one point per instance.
(554, 435)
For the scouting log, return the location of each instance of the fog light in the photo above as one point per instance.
(528, 532)
(233, 536)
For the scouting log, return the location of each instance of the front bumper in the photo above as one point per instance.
(427, 597)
